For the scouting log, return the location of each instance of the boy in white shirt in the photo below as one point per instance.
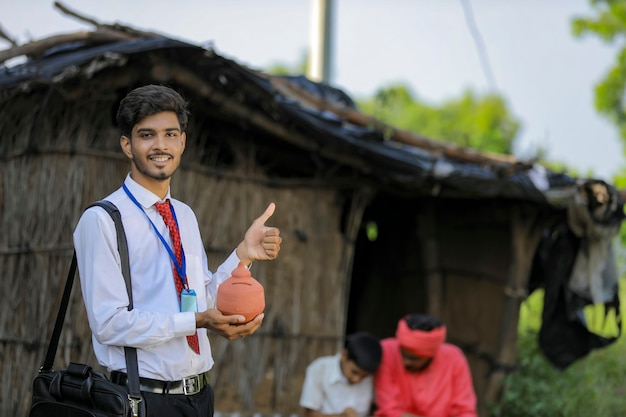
(343, 385)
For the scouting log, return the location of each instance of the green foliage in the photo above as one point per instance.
(482, 123)
(609, 23)
(592, 386)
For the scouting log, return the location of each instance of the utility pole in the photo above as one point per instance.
(321, 36)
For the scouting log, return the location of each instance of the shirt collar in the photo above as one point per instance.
(336, 375)
(144, 196)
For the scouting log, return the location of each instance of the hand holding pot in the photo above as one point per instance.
(241, 294)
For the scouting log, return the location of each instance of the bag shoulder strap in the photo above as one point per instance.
(122, 246)
(56, 333)
(132, 368)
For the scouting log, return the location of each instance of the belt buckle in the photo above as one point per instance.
(191, 385)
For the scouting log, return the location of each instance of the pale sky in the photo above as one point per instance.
(546, 75)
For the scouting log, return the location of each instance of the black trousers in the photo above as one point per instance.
(179, 405)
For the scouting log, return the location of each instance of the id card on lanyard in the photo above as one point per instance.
(188, 301)
(188, 298)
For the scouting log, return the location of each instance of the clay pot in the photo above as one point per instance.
(241, 294)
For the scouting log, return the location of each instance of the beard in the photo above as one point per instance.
(417, 368)
(148, 170)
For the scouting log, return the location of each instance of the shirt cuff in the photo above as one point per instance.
(185, 324)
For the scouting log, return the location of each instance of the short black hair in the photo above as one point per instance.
(146, 101)
(365, 350)
(424, 322)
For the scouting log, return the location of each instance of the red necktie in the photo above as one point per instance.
(166, 213)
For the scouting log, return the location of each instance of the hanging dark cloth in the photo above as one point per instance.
(564, 336)
(574, 263)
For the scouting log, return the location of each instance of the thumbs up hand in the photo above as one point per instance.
(261, 242)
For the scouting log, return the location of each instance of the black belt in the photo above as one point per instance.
(189, 385)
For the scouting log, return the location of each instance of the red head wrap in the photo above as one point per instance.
(421, 342)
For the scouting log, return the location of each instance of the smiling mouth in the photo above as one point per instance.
(160, 158)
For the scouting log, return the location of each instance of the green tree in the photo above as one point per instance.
(479, 122)
(609, 23)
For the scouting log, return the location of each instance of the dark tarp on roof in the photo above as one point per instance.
(407, 166)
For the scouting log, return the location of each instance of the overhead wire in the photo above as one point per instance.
(479, 44)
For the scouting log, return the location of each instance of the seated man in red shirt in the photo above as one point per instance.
(420, 375)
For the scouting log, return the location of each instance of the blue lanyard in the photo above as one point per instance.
(180, 269)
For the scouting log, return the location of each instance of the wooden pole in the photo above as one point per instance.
(526, 230)
(360, 200)
(427, 233)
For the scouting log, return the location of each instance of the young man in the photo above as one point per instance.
(342, 385)
(420, 375)
(167, 262)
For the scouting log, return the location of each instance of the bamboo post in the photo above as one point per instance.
(526, 232)
(430, 254)
(360, 200)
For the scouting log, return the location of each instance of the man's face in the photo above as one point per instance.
(351, 370)
(155, 148)
(412, 362)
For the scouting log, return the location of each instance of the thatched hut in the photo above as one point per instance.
(457, 229)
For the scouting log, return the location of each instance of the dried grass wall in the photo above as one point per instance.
(60, 154)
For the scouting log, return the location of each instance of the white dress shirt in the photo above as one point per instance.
(327, 390)
(155, 326)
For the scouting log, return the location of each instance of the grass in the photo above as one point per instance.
(592, 386)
